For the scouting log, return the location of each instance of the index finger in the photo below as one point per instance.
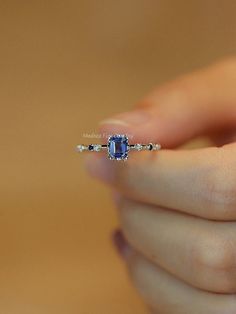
(190, 106)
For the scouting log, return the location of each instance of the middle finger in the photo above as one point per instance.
(200, 182)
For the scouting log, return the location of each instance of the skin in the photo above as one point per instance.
(177, 207)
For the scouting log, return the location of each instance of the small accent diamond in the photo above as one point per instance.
(138, 147)
(80, 148)
(156, 146)
(97, 148)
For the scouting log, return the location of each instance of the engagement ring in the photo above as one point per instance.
(118, 147)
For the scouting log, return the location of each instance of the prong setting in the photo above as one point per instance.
(118, 147)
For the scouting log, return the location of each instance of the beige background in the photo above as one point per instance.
(64, 65)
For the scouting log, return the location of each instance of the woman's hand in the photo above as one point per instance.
(178, 207)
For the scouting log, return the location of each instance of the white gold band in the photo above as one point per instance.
(118, 147)
(98, 147)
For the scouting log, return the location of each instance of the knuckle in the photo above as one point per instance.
(215, 252)
(222, 200)
(220, 187)
(214, 255)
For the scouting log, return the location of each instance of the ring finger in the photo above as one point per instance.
(166, 294)
(199, 252)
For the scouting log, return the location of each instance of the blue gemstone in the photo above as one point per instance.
(118, 147)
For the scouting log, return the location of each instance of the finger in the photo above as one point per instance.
(185, 108)
(198, 251)
(199, 182)
(166, 294)
(222, 138)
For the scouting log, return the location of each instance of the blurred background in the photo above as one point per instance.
(65, 65)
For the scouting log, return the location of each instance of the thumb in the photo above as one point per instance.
(192, 105)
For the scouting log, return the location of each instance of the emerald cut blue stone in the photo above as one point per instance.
(118, 147)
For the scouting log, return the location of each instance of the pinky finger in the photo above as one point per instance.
(168, 295)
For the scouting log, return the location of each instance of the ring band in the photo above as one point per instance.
(118, 147)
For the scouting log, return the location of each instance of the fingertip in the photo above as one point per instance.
(110, 126)
(128, 123)
(113, 121)
(97, 166)
(129, 118)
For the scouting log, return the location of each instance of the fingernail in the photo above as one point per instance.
(114, 121)
(121, 245)
(135, 117)
(98, 167)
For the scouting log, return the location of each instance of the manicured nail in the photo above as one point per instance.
(121, 245)
(114, 121)
(135, 117)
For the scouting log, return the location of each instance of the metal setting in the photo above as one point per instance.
(118, 147)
